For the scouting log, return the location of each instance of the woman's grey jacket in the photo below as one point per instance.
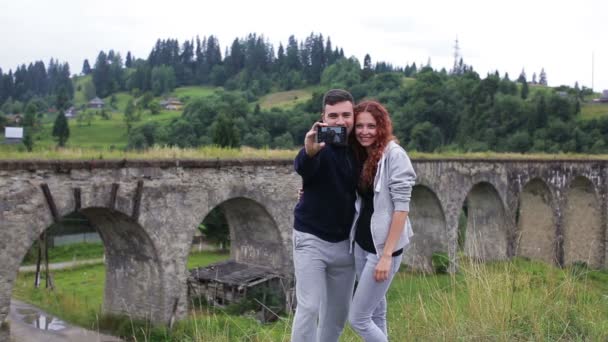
(395, 178)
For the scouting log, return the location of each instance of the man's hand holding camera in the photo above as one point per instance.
(311, 145)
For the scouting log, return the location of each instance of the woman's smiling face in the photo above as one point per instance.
(365, 129)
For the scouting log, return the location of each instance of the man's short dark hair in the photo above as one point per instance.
(336, 96)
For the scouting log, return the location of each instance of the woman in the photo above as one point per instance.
(381, 228)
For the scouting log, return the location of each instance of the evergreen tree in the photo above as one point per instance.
(281, 59)
(61, 130)
(129, 115)
(3, 96)
(524, 89)
(293, 54)
(28, 140)
(86, 68)
(543, 77)
(62, 100)
(101, 75)
(367, 72)
(29, 120)
(522, 76)
(129, 60)
(330, 58)
(541, 113)
(534, 78)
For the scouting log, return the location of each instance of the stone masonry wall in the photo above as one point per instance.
(148, 211)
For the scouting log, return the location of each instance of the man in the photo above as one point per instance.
(324, 267)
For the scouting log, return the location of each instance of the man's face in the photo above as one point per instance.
(340, 114)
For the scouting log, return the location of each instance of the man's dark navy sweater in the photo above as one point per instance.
(327, 207)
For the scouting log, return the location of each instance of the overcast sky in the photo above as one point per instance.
(559, 36)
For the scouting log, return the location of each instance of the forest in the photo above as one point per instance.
(432, 110)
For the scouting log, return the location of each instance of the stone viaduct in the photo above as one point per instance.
(147, 212)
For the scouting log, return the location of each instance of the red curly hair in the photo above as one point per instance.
(384, 134)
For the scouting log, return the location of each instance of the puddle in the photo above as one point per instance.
(40, 320)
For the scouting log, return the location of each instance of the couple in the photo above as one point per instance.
(355, 197)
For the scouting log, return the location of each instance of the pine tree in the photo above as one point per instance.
(543, 77)
(367, 72)
(522, 76)
(86, 68)
(293, 54)
(61, 130)
(524, 89)
(129, 115)
(28, 141)
(129, 60)
(29, 120)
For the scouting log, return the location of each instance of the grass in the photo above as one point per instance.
(517, 300)
(408, 81)
(206, 152)
(194, 92)
(79, 95)
(591, 111)
(95, 152)
(71, 252)
(79, 291)
(285, 99)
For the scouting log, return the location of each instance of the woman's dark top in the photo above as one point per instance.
(363, 232)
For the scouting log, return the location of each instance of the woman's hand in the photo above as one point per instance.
(383, 268)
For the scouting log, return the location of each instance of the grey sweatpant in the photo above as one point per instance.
(325, 277)
(368, 310)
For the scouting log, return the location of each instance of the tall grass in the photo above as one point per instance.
(215, 152)
(157, 152)
(516, 300)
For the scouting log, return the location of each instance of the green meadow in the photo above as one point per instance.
(516, 300)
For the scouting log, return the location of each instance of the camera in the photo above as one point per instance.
(332, 135)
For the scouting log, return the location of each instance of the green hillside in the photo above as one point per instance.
(593, 111)
(285, 99)
(91, 131)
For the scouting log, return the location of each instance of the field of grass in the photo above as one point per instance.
(515, 300)
(48, 152)
(593, 111)
(71, 252)
(285, 99)
(194, 91)
(78, 293)
(408, 81)
(79, 95)
(16, 152)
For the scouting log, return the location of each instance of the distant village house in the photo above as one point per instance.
(14, 119)
(70, 112)
(13, 135)
(604, 97)
(96, 103)
(171, 104)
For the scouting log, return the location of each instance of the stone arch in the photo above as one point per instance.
(133, 270)
(430, 230)
(24, 215)
(132, 285)
(583, 233)
(536, 224)
(255, 237)
(486, 235)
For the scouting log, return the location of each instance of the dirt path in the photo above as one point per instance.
(63, 265)
(30, 324)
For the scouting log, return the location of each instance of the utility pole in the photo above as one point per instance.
(592, 69)
(456, 67)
